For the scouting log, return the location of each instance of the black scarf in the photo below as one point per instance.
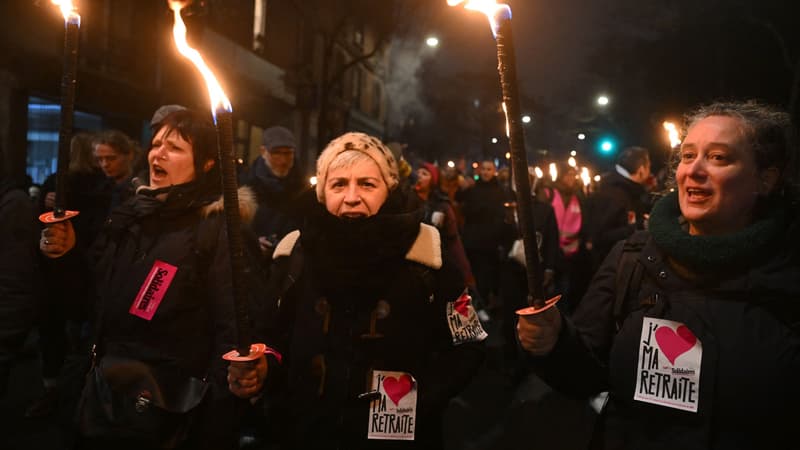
(163, 203)
(358, 255)
(704, 254)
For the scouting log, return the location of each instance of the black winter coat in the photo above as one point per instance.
(349, 313)
(194, 325)
(277, 200)
(19, 271)
(485, 227)
(747, 320)
(616, 199)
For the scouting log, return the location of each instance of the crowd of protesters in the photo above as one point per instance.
(373, 289)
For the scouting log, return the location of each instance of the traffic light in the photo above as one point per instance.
(606, 146)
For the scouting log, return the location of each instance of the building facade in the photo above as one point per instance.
(314, 67)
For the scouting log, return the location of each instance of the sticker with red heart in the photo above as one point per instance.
(675, 343)
(461, 305)
(397, 388)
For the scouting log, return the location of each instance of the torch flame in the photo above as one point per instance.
(68, 10)
(490, 8)
(508, 126)
(585, 176)
(674, 140)
(215, 93)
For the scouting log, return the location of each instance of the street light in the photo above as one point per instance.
(494, 140)
(526, 119)
(432, 41)
(581, 136)
(602, 100)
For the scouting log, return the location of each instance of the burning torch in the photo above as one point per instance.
(72, 25)
(221, 110)
(672, 135)
(499, 16)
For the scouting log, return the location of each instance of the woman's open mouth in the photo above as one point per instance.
(697, 195)
(157, 171)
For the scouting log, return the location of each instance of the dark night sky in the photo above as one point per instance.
(654, 59)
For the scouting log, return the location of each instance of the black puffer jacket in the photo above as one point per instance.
(194, 325)
(739, 296)
(331, 338)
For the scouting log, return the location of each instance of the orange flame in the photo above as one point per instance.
(586, 176)
(490, 8)
(215, 93)
(508, 126)
(553, 172)
(672, 132)
(68, 10)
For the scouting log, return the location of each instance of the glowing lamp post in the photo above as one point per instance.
(72, 25)
(499, 16)
(221, 110)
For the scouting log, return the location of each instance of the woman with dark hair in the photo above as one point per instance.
(376, 330)
(691, 327)
(164, 310)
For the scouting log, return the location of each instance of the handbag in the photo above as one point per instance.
(129, 399)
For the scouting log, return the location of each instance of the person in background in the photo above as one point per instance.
(115, 154)
(693, 332)
(504, 178)
(277, 182)
(572, 216)
(60, 327)
(407, 175)
(19, 270)
(514, 281)
(451, 181)
(373, 323)
(487, 235)
(622, 202)
(439, 213)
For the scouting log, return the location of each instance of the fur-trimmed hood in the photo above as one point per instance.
(426, 249)
(247, 205)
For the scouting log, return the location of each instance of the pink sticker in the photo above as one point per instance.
(153, 290)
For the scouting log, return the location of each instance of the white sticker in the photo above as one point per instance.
(668, 370)
(463, 321)
(393, 415)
